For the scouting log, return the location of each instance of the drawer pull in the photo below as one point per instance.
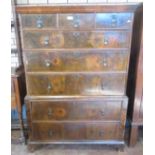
(105, 42)
(103, 86)
(50, 133)
(47, 63)
(128, 21)
(101, 133)
(105, 63)
(76, 34)
(46, 40)
(39, 22)
(114, 21)
(50, 112)
(102, 112)
(76, 25)
(49, 87)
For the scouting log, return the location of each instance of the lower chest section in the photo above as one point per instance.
(77, 119)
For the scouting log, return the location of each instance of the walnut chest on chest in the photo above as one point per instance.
(76, 64)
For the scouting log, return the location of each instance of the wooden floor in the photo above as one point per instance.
(18, 148)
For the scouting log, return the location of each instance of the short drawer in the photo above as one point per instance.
(76, 61)
(76, 84)
(114, 20)
(77, 39)
(38, 21)
(76, 110)
(75, 131)
(76, 21)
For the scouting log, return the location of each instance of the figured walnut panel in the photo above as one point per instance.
(76, 61)
(76, 21)
(114, 20)
(76, 84)
(39, 21)
(76, 39)
(75, 131)
(76, 110)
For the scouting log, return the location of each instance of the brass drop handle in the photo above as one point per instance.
(128, 21)
(103, 85)
(76, 23)
(106, 42)
(114, 20)
(50, 112)
(50, 133)
(105, 64)
(46, 40)
(47, 63)
(49, 87)
(76, 34)
(39, 22)
(102, 112)
(101, 133)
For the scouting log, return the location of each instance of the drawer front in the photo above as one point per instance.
(51, 39)
(76, 84)
(76, 61)
(76, 21)
(114, 20)
(77, 110)
(75, 131)
(38, 21)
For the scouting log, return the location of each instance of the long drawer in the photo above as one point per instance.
(77, 61)
(76, 84)
(75, 39)
(76, 131)
(76, 110)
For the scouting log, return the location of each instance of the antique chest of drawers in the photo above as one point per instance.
(76, 63)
